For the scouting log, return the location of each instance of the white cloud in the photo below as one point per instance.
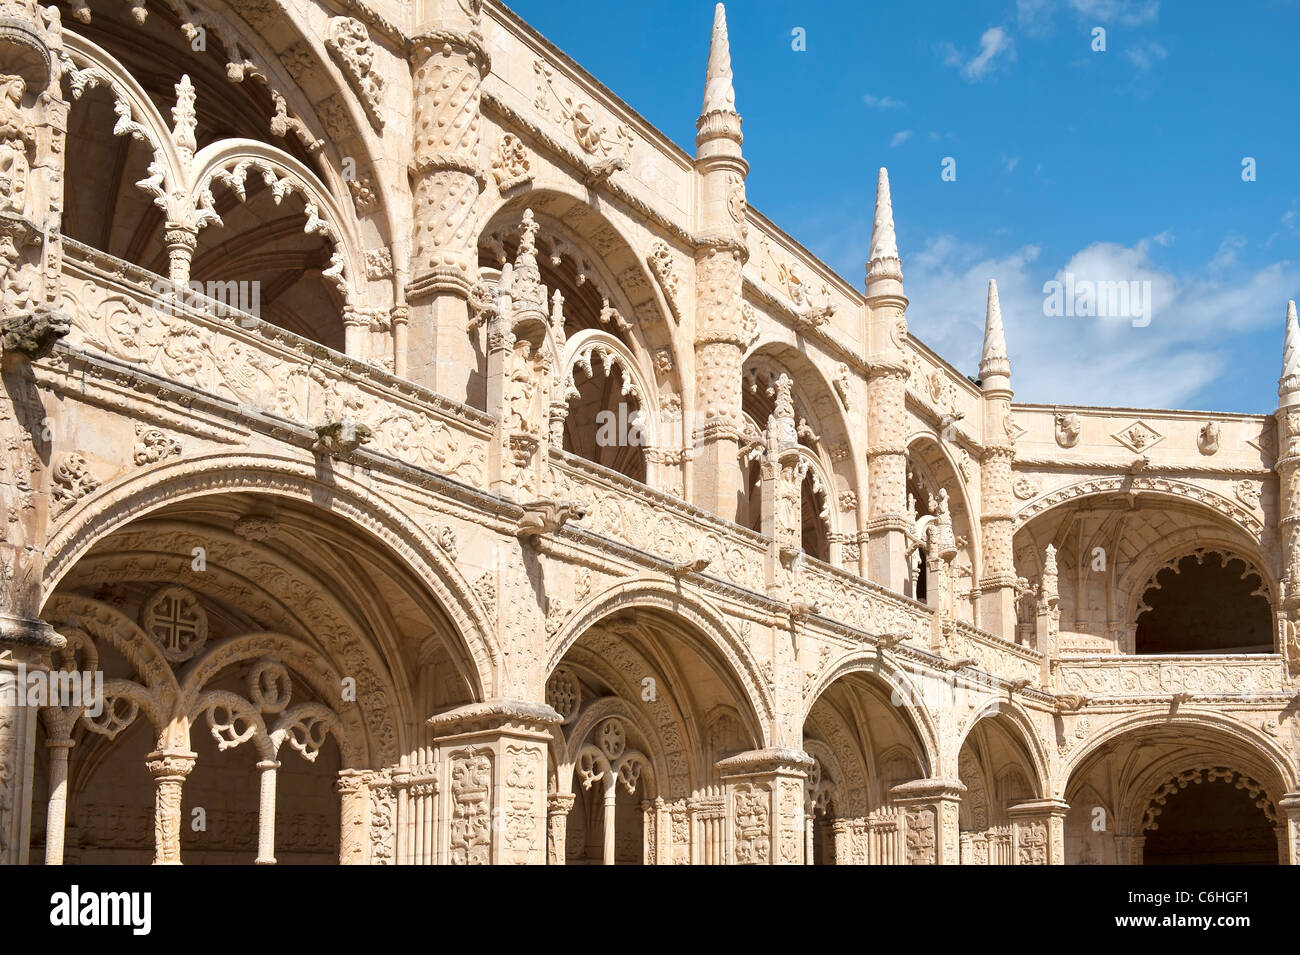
(1096, 361)
(994, 42)
(1144, 56)
(1035, 17)
(882, 102)
(1009, 163)
(900, 137)
(1129, 13)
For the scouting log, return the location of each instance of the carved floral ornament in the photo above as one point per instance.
(349, 42)
(580, 119)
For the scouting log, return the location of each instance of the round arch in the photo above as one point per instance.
(1013, 719)
(116, 503)
(1240, 517)
(902, 690)
(665, 595)
(1263, 753)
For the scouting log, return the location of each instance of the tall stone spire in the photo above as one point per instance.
(883, 262)
(720, 254)
(1288, 386)
(719, 94)
(994, 361)
(889, 520)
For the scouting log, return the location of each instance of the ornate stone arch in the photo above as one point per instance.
(1265, 754)
(86, 66)
(814, 399)
(592, 345)
(118, 502)
(229, 162)
(1021, 729)
(902, 690)
(325, 681)
(600, 250)
(717, 635)
(1240, 517)
(336, 631)
(934, 455)
(599, 711)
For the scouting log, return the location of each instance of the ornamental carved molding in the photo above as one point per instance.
(349, 42)
(1194, 777)
(660, 259)
(1249, 520)
(580, 119)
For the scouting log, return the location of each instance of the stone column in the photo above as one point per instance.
(931, 808)
(354, 817)
(448, 62)
(558, 806)
(720, 340)
(1039, 827)
(888, 519)
(56, 812)
(609, 811)
(266, 813)
(169, 770)
(492, 782)
(24, 648)
(765, 806)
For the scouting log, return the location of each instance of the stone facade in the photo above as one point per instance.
(430, 463)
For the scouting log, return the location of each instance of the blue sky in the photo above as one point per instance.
(1121, 165)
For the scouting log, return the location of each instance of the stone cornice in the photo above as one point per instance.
(763, 761)
(492, 715)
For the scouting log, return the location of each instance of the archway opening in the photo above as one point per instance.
(863, 745)
(1211, 823)
(1205, 603)
(606, 422)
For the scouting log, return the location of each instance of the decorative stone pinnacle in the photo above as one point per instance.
(884, 262)
(719, 94)
(994, 360)
(1288, 386)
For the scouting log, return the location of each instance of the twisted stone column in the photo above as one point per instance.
(169, 770)
(448, 61)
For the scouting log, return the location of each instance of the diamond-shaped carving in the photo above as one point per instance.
(1138, 437)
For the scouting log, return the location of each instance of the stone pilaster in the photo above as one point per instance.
(448, 62)
(1039, 827)
(354, 817)
(558, 806)
(492, 782)
(765, 806)
(931, 807)
(1289, 808)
